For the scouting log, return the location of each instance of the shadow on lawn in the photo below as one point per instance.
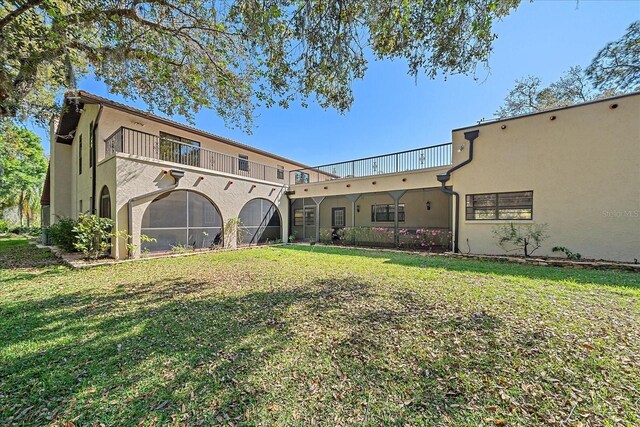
(160, 350)
(607, 278)
(21, 261)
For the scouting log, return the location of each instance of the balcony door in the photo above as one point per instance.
(179, 150)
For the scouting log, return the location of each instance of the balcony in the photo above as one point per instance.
(404, 161)
(142, 144)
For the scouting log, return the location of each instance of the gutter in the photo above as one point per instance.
(176, 174)
(443, 178)
(94, 160)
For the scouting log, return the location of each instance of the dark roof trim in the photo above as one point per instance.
(71, 111)
(490, 122)
(91, 98)
(45, 198)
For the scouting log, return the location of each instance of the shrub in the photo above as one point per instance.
(181, 249)
(425, 238)
(4, 226)
(528, 237)
(326, 235)
(570, 255)
(92, 234)
(26, 231)
(62, 233)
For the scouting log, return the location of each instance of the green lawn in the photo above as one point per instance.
(309, 335)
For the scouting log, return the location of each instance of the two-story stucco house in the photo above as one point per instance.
(575, 169)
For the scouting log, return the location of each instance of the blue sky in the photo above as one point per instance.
(393, 112)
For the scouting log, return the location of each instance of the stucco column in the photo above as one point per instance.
(353, 198)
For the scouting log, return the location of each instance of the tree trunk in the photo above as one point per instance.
(20, 203)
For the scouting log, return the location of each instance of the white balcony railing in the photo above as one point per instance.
(404, 161)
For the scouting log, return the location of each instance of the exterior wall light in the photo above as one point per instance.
(461, 148)
(613, 106)
(428, 205)
(503, 127)
(357, 208)
(552, 118)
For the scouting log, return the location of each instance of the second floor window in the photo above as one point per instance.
(387, 213)
(91, 140)
(302, 177)
(280, 172)
(243, 162)
(80, 156)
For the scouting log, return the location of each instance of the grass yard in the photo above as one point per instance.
(315, 336)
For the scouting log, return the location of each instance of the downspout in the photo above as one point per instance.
(94, 159)
(443, 178)
(176, 174)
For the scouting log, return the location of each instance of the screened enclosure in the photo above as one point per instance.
(260, 223)
(181, 218)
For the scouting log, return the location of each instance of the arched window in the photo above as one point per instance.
(181, 218)
(260, 222)
(105, 203)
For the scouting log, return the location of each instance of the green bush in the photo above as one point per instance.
(92, 234)
(62, 233)
(4, 226)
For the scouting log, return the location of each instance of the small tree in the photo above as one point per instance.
(527, 238)
(22, 170)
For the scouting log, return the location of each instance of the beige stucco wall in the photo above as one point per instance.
(424, 178)
(106, 176)
(61, 190)
(136, 176)
(83, 182)
(583, 168)
(68, 186)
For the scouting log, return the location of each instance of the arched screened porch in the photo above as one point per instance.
(181, 218)
(260, 223)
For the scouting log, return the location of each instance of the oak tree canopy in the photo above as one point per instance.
(179, 56)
